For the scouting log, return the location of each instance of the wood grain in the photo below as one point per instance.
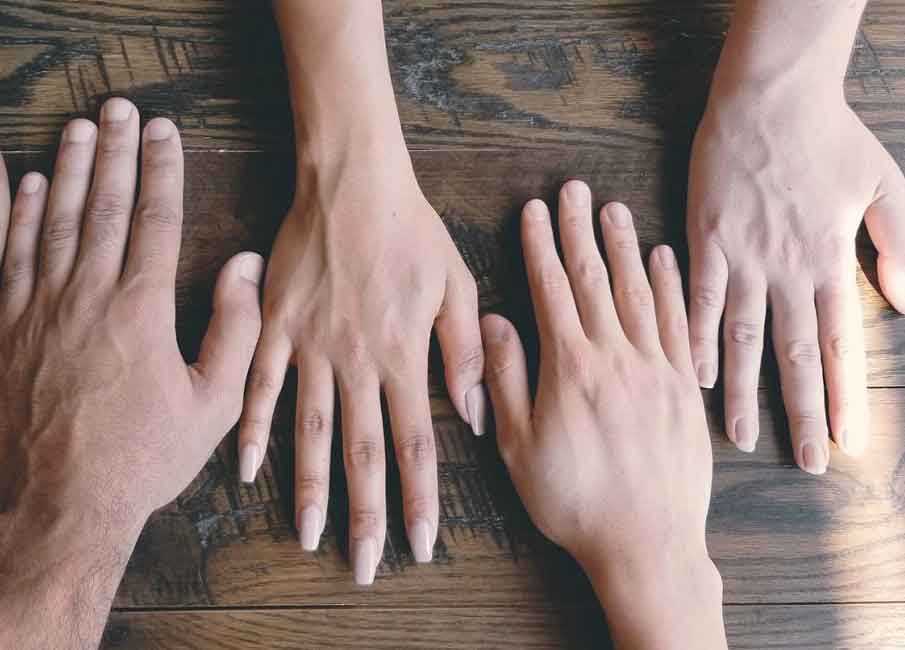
(760, 627)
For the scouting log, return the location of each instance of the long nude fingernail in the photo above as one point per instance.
(248, 462)
(421, 539)
(311, 524)
(364, 560)
(476, 405)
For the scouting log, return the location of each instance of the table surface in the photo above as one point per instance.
(500, 101)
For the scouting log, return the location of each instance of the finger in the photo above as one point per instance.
(885, 220)
(669, 301)
(709, 275)
(268, 370)
(20, 262)
(795, 338)
(554, 306)
(65, 205)
(229, 345)
(4, 206)
(506, 375)
(313, 438)
(413, 438)
(587, 273)
(632, 294)
(743, 338)
(459, 335)
(365, 462)
(844, 363)
(157, 224)
(109, 208)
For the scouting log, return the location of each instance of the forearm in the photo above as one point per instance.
(339, 78)
(776, 44)
(58, 577)
(661, 602)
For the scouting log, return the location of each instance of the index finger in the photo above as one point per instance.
(157, 223)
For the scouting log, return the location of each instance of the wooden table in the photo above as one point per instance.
(500, 101)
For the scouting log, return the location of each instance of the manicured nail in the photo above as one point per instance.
(421, 540)
(252, 268)
(79, 131)
(159, 129)
(618, 215)
(30, 184)
(667, 257)
(706, 375)
(476, 405)
(364, 560)
(536, 210)
(745, 439)
(842, 439)
(311, 523)
(248, 462)
(116, 110)
(578, 193)
(813, 459)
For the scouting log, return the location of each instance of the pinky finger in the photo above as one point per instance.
(672, 320)
(21, 256)
(264, 383)
(506, 376)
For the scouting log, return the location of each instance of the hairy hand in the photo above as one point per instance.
(100, 417)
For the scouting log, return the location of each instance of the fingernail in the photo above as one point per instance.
(706, 375)
(252, 269)
(618, 215)
(536, 210)
(667, 257)
(248, 462)
(364, 561)
(159, 129)
(79, 131)
(116, 110)
(842, 439)
(30, 183)
(310, 527)
(744, 435)
(813, 459)
(421, 541)
(476, 405)
(578, 193)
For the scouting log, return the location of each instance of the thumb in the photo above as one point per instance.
(885, 220)
(232, 335)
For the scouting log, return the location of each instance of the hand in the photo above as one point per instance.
(361, 271)
(101, 420)
(613, 459)
(779, 185)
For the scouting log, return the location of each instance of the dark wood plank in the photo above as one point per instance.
(468, 73)
(778, 535)
(754, 627)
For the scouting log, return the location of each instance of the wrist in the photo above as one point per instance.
(665, 598)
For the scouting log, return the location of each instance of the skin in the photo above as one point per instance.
(612, 456)
(783, 173)
(101, 420)
(361, 272)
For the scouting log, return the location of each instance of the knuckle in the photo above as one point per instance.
(636, 296)
(18, 269)
(314, 425)
(263, 381)
(416, 451)
(571, 364)
(159, 215)
(706, 298)
(804, 354)
(591, 273)
(365, 456)
(419, 505)
(551, 279)
(840, 347)
(256, 425)
(745, 333)
(106, 207)
(310, 483)
(471, 362)
(60, 231)
(364, 522)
